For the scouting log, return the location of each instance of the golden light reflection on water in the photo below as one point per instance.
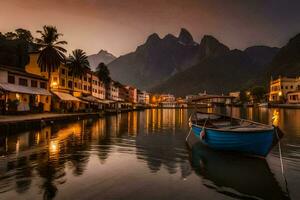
(62, 147)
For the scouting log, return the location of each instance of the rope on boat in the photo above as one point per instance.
(190, 124)
(281, 162)
(186, 139)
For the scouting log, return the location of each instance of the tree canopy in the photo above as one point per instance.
(103, 73)
(51, 50)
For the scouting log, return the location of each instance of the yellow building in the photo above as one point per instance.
(280, 88)
(69, 90)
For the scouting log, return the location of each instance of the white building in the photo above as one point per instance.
(113, 91)
(143, 97)
(98, 88)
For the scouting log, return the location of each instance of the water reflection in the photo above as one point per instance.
(43, 163)
(235, 176)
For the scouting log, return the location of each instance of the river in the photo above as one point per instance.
(143, 155)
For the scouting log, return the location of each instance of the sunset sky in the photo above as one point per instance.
(120, 25)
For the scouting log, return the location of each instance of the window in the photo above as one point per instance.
(43, 85)
(63, 71)
(286, 87)
(11, 79)
(85, 78)
(63, 82)
(23, 81)
(85, 88)
(291, 87)
(75, 84)
(70, 84)
(90, 80)
(33, 83)
(70, 73)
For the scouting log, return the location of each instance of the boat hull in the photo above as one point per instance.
(257, 143)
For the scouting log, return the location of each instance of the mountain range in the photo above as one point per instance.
(101, 56)
(180, 65)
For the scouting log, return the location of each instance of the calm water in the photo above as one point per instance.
(143, 155)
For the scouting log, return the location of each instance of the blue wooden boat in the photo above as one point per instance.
(233, 134)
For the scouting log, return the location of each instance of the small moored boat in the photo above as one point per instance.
(233, 134)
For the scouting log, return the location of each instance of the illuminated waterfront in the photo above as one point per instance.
(143, 155)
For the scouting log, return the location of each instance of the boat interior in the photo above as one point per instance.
(226, 123)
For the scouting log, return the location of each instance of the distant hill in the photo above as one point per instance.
(227, 71)
(287, 60)
(102, 56)
(156, 60)
(262, 55)
(231, 71)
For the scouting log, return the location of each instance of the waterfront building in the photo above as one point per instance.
(112, 92)
(70, 93)
(98, 88)
(182, 103)
(22, 91)
(235, 94)
(143, 97)
(132, 94)
(293, 97)
(280, 87)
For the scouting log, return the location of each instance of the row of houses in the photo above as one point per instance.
(30, 89)
(281, 90)
(285, 90)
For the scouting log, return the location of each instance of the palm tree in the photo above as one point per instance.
(51, 53)
(77, 63)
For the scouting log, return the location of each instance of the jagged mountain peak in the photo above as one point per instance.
(211, 47)
(185, 37)
(153, 38)
(170, 37)
(102, 56)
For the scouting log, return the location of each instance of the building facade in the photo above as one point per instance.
(112, 92)
(280, 87)
(143, 98)
(22, 91)
(69, 90)
(293, 97)
(132, 94)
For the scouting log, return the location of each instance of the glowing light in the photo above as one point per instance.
(280, 93)
(17, 96)
(275, 118)
(54, 84)
(53, 147)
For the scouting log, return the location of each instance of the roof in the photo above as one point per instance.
(23, 89)
(19, 71)
(294, 92)
(94, 100)
(66, 96)
(205, 97)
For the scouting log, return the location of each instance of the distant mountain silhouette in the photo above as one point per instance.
(261, 55)
(181, 66)
(231, 71)
(287, 60)
(222, 71)
(102, 56)
(156, 60)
